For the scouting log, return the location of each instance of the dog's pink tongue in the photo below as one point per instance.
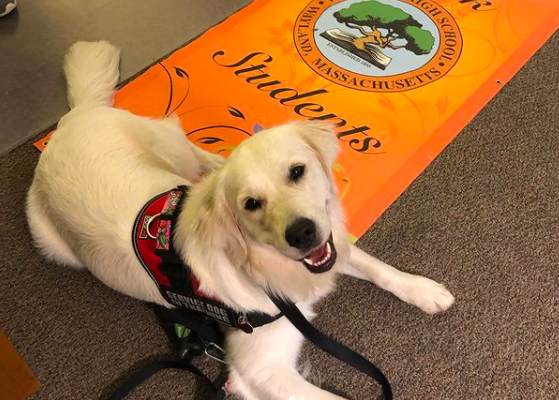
(317, 254)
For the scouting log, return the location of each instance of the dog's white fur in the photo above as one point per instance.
(103, 164)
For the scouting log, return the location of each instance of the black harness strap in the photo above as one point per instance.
(200, 323)
(333, 347)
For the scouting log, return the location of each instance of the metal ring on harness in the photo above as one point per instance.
(208, 352)
(148, 224)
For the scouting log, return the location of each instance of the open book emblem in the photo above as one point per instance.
(378, 45)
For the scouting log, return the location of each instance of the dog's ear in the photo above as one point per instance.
(212, 224)
(213, 246)
(232, 239)
(322, 139)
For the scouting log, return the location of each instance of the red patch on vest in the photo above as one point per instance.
(145, 246)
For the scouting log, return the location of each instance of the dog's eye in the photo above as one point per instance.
(252, 204)
(296, 172)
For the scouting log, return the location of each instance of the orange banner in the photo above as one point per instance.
(398, 78)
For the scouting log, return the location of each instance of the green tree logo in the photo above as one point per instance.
(382, 26)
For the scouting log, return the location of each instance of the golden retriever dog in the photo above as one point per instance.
(267, 218)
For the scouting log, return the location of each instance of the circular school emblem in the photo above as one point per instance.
(378, 45)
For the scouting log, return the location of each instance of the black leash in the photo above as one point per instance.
(153, 367)
(294, 315)
(333, 347)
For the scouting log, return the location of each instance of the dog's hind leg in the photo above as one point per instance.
(46, 237)
(428, 295)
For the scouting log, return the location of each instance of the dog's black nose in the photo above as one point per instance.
(301, 234)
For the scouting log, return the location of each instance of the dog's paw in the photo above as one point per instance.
(426, 294)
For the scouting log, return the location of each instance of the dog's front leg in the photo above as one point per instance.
(428, 295)
(263, 365)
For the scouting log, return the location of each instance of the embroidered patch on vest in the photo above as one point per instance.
(165, 225)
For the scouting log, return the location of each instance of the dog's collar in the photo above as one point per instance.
(152, 238)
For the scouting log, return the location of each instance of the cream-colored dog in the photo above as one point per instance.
(267, 217)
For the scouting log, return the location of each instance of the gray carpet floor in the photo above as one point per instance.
(483, 219)
(38, 33)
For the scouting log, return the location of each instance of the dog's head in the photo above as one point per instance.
(278, 188)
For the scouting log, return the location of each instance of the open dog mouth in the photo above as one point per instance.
(321, 259)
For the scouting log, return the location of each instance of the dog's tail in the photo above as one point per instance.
(91, 70)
